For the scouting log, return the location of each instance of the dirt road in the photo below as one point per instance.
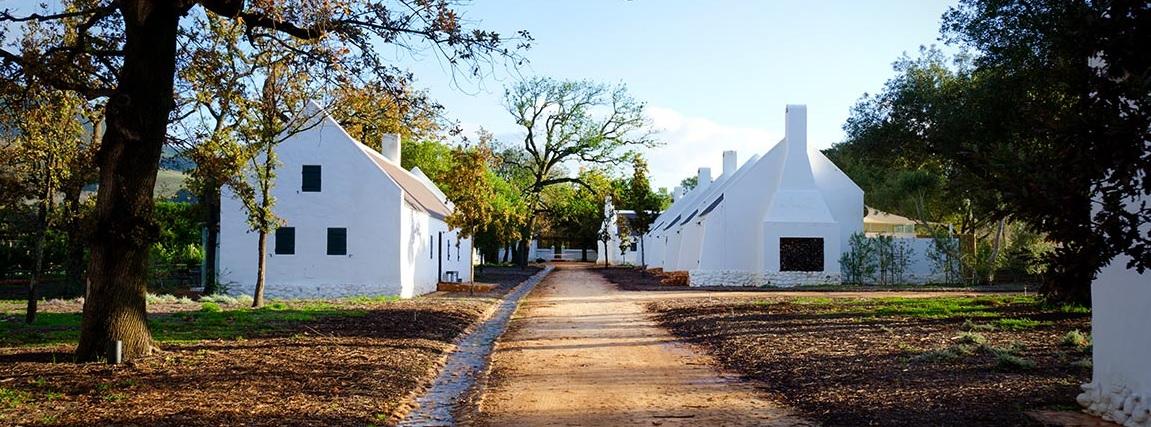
(580, 352)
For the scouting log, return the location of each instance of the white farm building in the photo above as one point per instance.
(783, 218)
(355, 223)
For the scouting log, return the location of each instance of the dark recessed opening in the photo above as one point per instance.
(800, 254)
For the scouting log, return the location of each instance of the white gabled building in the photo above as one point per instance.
(781, 219)
(355, 223)
(1120, 387)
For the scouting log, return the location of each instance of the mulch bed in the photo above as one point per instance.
(842, 367)
(636, 279)
(505, 278)
(328, 371)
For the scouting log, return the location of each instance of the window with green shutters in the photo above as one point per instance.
(311, 178)
(337, 241)
(285, 241)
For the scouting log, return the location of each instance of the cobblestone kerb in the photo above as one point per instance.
(465, 365)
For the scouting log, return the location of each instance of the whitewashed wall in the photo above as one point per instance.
(351, 186)
(1120, 389)
(392, 248)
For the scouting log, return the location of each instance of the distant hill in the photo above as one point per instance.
(172, 159)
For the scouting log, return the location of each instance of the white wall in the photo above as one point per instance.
(354, 194)
(1121, 331)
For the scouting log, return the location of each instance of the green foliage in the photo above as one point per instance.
(179, 239)
(968, 325)
(1076, 339)
(564, 122)
(211, 307)
(1006, 361)
(973, 338)
(212, 323)
(1016, 324)
(1025, 125)
(689, 183)
(858, 262)
(11, 398)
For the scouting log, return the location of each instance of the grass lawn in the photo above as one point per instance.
(344, 362)
(962, 360)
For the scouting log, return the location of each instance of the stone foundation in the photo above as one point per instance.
(784, 279)
(1117, 404)
(296, 291)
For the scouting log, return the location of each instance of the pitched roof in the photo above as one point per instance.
(415, 192)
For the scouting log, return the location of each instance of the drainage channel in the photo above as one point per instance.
(467, 362)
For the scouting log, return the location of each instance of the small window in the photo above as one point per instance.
(311, 178)
(337, 241)
(634, 246)
(449, 249)
(431, 247)
(285, 241)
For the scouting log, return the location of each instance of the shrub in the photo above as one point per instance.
(160, 299)
(1010, 362)
(211, 307)
(185, 300)
(971, 338)
(1077, 339)
(244, 300)
(968, 325)
(219, 298)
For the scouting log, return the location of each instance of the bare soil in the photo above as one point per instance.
(580, 352)
(845, 362)
(355, 370)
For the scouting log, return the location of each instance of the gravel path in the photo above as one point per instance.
(581, 352)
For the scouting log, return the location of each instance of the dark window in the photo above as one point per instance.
(337, 241)
(431, 247)
(311, 180)
(449, 249)
(800, 254)
(634, 246)
(285, 241)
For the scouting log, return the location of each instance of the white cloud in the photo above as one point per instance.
(694, 142)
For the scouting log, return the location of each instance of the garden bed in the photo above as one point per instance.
(897, 361)
(347, 362)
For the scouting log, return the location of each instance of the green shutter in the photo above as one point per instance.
(311, 178)
(337, 241)
(286, 241)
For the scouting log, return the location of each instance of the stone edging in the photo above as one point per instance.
(468, 363)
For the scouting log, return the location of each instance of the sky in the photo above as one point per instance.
(715, 75)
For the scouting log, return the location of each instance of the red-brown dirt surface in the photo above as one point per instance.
(842, 364)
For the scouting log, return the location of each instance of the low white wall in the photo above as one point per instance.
(1120, 390)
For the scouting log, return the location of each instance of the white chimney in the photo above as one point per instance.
(729, 163)
(390, 147)
(675, 193)
(797, 165)
(704, 178)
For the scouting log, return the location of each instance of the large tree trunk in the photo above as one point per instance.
(137, 119)
(261, 270)
(211, 204)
